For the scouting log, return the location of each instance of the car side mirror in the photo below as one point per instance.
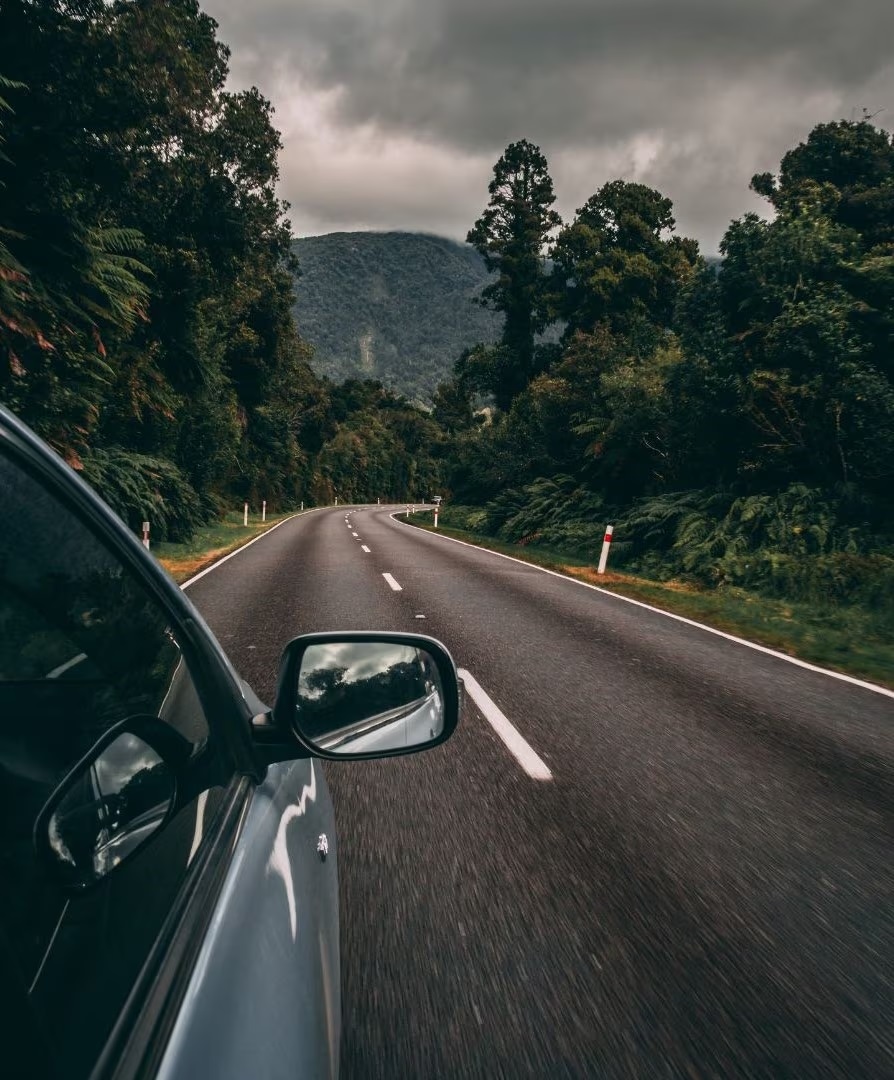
(118, 796)
(356, 695)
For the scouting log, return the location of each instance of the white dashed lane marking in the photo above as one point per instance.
(517, 745)
(394, 585)
(365, 548)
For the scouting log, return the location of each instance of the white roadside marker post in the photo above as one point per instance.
(146, 534)
(302, 504)
(245, 515)
(606, 544)
(436, 517)
(264, 510)
(336, 500)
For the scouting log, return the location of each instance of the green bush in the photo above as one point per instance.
(142, 488)
(793, 545)
(790, 545)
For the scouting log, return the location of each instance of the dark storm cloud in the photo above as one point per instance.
(692, 96)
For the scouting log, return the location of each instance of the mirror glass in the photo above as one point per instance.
(361, 697)
(111, 807)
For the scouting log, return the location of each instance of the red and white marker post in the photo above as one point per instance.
(606, 544)
(145, 534)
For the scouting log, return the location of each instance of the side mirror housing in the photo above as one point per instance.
(355, 695)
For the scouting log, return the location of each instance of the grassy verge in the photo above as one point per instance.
(846, 639)
(210, 543)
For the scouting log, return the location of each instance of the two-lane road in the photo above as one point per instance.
(648, 851)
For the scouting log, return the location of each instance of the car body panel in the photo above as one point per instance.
(408, 725)
(237, 975)
(264, 995)
(264, 998)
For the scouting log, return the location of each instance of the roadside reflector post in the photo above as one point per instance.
(302, 504)
(336, 500)
(245, 514)
(436, 517)
(606, 544)
(264, 510)
(145, 534)
(378, 502)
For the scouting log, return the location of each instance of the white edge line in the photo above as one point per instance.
(254, 540)
(394, 585)
(517, 745)
(365, 548)
(874, 687)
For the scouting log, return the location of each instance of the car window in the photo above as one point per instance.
(83, 647)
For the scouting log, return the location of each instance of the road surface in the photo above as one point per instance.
(695, 880)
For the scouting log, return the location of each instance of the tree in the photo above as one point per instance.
(814, 385)
(511, 236)
(617, 262)
(849, 163)
(452, 407)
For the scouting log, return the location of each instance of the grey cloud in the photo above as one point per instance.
(735, 84)
(466, 70)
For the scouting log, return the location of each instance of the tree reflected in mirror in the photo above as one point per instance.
(364, 697)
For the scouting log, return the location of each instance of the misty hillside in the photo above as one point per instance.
(390, 306)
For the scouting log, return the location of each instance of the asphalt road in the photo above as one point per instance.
(702, 888)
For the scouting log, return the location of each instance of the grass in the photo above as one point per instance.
(210, 543)
(845, 639)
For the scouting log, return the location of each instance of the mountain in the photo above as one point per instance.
(396, 306)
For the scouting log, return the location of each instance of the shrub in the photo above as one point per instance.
(142, 488)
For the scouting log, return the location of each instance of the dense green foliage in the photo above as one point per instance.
(146, 276)
(734, 421)
(397, 307)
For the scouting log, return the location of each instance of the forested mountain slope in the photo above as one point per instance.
(394, 306)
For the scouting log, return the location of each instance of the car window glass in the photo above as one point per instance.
(83, 647)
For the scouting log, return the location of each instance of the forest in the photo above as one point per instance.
(733, 418)
(146, 278)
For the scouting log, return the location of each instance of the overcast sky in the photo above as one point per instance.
(393, 112)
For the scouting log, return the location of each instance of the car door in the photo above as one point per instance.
(110, 979)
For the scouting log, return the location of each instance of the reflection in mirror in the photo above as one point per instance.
(358, 697)
(110, 808)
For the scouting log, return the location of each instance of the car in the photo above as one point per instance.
(168, 857)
